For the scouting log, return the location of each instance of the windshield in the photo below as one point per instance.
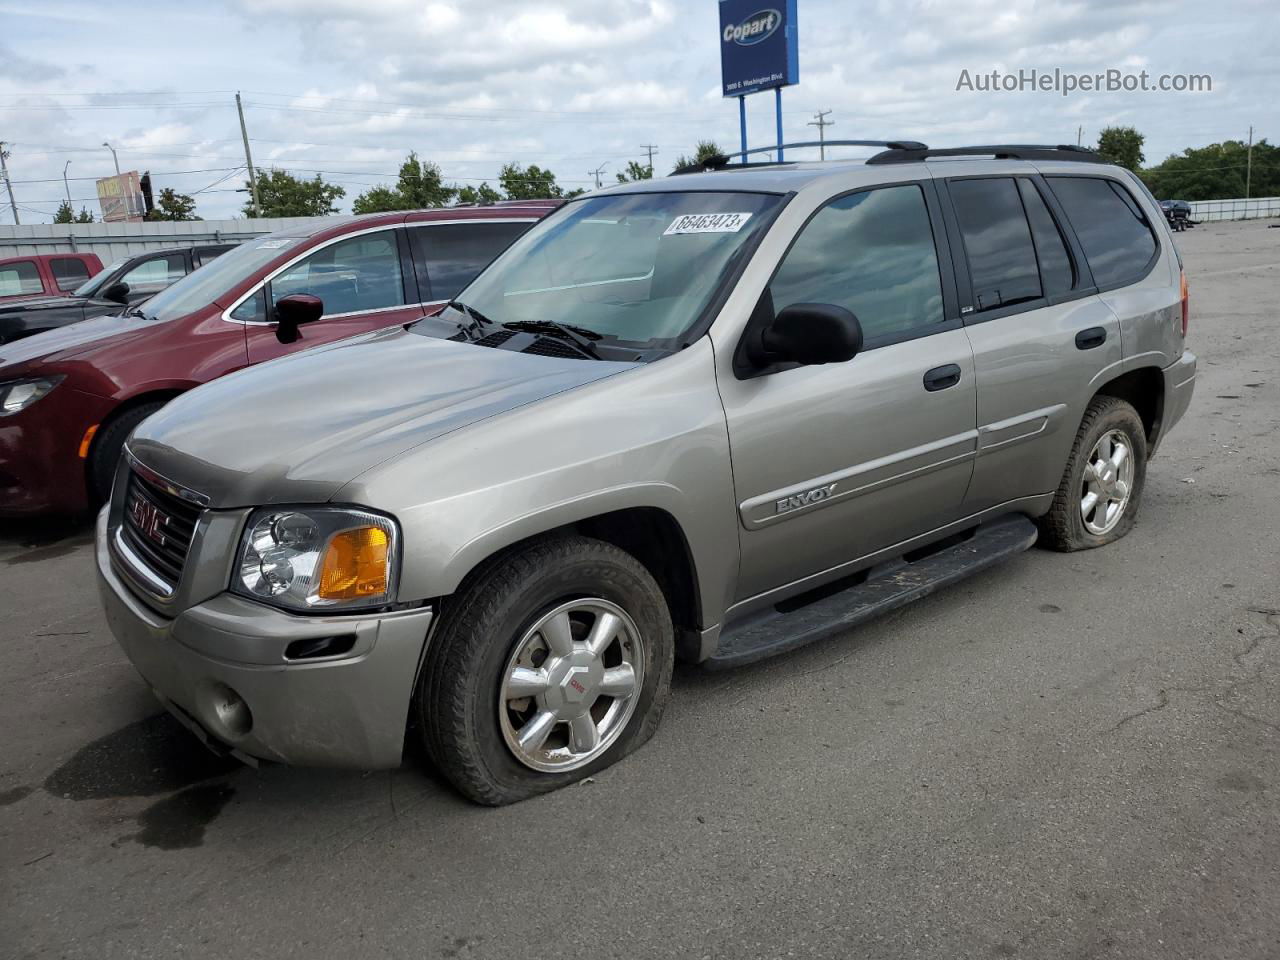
(637, 269)
(201, 287)
(90, 286)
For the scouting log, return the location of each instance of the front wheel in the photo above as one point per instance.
(552, 663)
(1097, 500)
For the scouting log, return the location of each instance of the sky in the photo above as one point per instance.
(348, 87)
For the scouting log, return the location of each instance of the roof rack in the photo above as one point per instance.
(722, 160)
(1002, 151)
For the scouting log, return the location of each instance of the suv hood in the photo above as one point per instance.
(299, 428)
(72, 340)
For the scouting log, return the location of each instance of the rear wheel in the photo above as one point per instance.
(552, 663)
(1097, 500)
(108, 446)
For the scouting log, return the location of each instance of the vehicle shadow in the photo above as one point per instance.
(30, 540)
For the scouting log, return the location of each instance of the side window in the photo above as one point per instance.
(351, 276)
(997, 242)
(448, 256)
(68, 273)
(202, 255)
(157, 273)
(1115, 234)
(253, 310)
(872, 253)
(19, 279)
(1056, 272)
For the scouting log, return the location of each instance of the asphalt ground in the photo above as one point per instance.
(1066, 756)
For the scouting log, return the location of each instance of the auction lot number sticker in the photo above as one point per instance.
(707, 223)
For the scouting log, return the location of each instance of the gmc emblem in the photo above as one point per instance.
(150, 522)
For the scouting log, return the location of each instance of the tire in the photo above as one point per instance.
(109, 445)
(465, 721)
(1066, 527)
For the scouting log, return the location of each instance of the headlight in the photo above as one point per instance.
(318, 558)
(19, 394)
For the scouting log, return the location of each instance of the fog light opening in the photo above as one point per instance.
(231, 716)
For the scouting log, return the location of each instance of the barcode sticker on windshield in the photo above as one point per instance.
(707, 223)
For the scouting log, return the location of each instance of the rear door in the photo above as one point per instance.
(364, 279)
(1041, 337)
(447, 255)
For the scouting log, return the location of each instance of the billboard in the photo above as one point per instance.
(120, 197)
(759, 45)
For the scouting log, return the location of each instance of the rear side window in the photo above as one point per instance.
(997, 242)
(1056, 271)
(68, 273)
(448, 256)
(19, 279)
(872, 253)
(203, 255)
(1115, 235)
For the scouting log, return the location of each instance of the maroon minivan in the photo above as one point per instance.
(70, 397)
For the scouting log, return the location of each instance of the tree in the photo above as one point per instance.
(705, 150)
(1122, 146)
(529, 183)
(171, 205)
(84, 216)
(283, 195)
(420, 186)
(482, 194)
(65, 214)
(635, 171)
(1216, 172)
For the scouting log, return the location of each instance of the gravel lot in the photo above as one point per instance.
(1068, 756)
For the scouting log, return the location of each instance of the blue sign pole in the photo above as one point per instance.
(778, 104)
(742, 123)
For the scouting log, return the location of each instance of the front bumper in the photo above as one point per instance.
(1179, 385)
(40, 465)
(345, 711)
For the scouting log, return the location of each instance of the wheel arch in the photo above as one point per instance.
(1143, 389)
(159, 395)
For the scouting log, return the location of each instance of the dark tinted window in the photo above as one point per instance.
(22, 277)
(449, 255)
(871, 253)
(69, 273)
(1116, 237)
(997, 242)
(1056, 272)
(203, 255)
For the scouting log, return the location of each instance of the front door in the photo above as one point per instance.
(832, 463)
(364, 280)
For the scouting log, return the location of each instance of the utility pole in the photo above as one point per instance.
(1248, 167)
(821, 123)
(65, 184)
(4, 169)
(1079, 136)
(248, 159)
(596, 173)
(652, 148)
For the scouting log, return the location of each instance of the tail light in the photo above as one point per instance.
(1186, 302)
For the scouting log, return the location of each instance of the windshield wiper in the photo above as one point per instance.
(580, 337)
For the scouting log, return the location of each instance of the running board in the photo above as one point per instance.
(885, 587)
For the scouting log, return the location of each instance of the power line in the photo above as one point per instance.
(821, 123)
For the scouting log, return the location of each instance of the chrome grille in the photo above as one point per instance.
(158, 527)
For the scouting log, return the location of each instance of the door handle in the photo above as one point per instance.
(1093, 337)
(939, 378)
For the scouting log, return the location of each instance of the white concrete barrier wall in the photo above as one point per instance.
(115, 241)
(1203, 211)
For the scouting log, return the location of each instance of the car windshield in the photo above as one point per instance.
(201, 287)
(635, 269)
(90, 286)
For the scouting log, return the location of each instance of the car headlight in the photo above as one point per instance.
(318, 558)
(17, 395)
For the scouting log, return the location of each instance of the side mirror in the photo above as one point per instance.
(118, 292)
(293, 311)
(812, 333)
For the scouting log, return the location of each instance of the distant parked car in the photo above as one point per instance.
(70, 397)
(45, 274)
(123, 284)
(1178, 213)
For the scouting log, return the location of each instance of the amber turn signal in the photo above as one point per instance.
(356, 564)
